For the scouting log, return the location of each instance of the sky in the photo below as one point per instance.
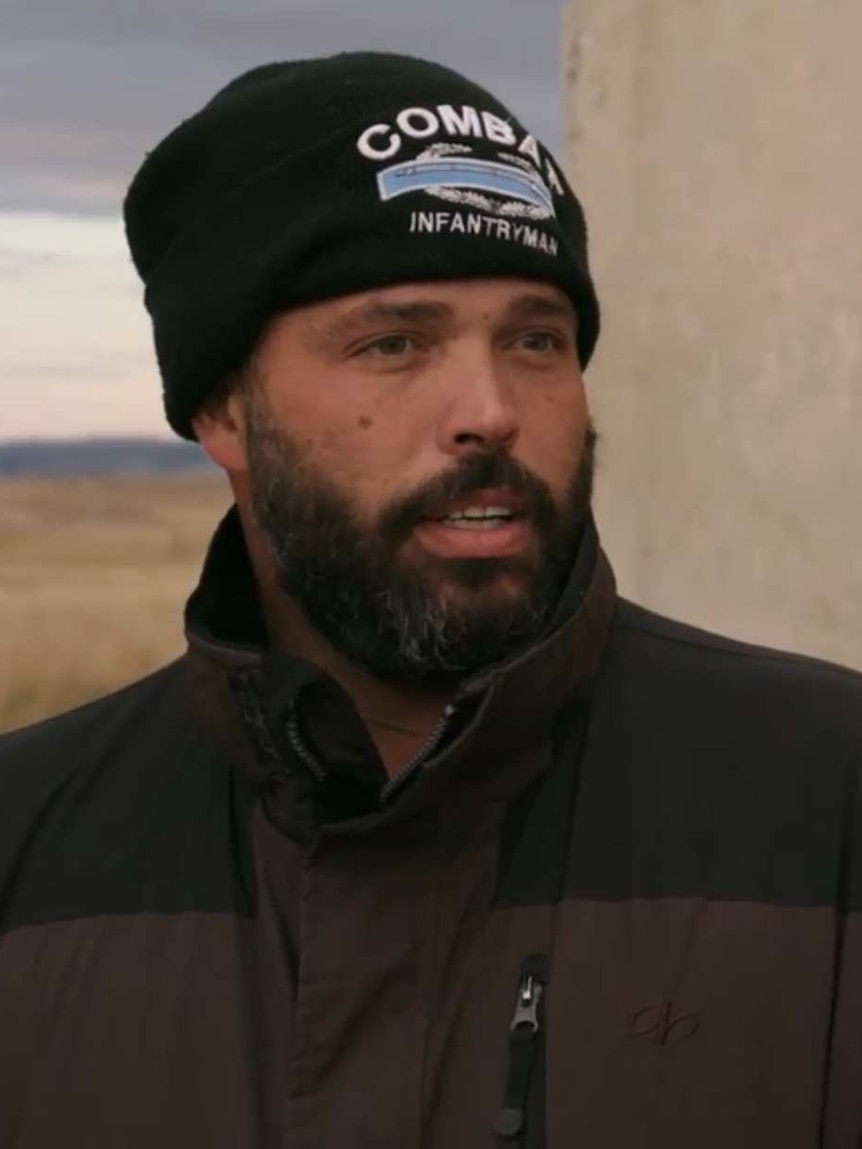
(87, 87)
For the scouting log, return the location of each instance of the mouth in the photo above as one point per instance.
(485, 524)
(491, 505)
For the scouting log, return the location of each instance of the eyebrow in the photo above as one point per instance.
(430, 311)
(536, 306)
(379, 313)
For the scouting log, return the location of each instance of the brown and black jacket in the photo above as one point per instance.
(616, 904)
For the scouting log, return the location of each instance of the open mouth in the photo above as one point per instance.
(481, 519)
(480, 510)
(476, 537)
(491, 523)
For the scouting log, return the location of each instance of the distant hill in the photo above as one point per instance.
(99, 456)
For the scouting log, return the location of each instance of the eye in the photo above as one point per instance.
(389, 346)
(541, 341)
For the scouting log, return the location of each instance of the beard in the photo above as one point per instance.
(392, 616)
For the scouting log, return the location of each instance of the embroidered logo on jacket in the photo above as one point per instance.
(662, 1024)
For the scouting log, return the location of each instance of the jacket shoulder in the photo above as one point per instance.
(52, 764)
(98, 806)
(725, 676)
(720, 768)
(646, 626)
(51, 747)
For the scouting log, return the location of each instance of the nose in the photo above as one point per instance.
(480, 411)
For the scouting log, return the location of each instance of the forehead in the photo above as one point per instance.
(459, 299)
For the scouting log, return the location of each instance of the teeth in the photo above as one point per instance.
(479, 513)
(475, 524)
(479, 518)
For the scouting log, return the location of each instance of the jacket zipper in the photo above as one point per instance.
(406, 773)
(302, 751)
(319, 772)
(525, 1035)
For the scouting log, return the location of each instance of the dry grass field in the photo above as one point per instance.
(94, 573)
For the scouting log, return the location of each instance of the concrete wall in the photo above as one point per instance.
(717, 146)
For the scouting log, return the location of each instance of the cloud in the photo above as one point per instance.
(88, 86)
(75, 348)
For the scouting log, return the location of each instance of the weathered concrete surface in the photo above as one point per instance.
(718, 151)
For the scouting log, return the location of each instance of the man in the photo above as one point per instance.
(429, 839)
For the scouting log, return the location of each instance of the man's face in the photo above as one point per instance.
(371, 420)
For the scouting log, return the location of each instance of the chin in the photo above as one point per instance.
(474, 586)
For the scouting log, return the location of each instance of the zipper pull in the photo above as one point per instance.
(524, 1033)
(527, 1009)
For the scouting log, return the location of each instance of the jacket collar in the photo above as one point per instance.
(297, 734)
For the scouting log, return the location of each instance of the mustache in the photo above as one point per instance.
(474, 473)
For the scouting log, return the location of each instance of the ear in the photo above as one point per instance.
(219, 426)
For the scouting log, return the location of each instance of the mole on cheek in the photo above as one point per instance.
(365, 423)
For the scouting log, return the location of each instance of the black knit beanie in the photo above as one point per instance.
(312, 179)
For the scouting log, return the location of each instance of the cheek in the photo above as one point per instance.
(556, 433)
(327, 432)
(355, 454)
